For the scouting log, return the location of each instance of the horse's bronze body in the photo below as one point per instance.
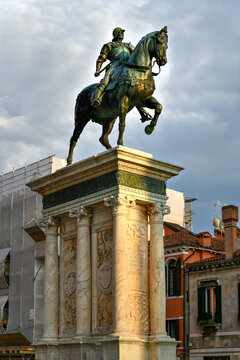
(134, 87)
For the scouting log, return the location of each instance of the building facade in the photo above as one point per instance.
(213, 299)
(183, 247)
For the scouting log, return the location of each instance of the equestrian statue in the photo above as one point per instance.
(128, 83)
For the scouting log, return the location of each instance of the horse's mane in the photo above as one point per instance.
(142, 45)
(145, 39)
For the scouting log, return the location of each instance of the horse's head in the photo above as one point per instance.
(161, 45)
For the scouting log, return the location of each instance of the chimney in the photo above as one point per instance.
(230, 219)
(204, 238)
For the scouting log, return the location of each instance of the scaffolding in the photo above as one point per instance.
(17, 355)
(188, 212)
(19, 206)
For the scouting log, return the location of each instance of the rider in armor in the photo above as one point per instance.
(117, 52)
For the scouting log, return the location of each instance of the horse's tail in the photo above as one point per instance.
(82, 114)
(82, 107)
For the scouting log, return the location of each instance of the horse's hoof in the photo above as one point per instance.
(149, 129)
(69, 162)
(105, 143)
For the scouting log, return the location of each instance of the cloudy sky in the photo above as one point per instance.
(48, 53)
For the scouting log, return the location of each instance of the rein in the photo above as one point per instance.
(141, 67)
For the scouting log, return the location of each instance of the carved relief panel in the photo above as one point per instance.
(138, 270)
(69, 287)
(104, 279)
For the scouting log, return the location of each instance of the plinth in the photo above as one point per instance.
(104, 282)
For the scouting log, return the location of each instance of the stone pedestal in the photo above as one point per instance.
(108, 212)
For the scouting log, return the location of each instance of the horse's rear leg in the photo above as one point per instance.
(79, 126)
(124, 105)
(106, 130)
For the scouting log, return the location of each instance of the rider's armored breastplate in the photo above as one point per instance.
(121, 53)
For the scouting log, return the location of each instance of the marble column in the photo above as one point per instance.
(120, 205)
(157, 270)
(83, 271)
(50, 310)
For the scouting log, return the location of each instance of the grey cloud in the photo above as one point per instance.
(48, 53)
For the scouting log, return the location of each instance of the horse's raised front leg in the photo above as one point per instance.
(106, 130)
(152, 103)
(123, 109)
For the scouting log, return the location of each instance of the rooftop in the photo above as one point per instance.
(184, 237)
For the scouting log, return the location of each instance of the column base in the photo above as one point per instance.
(110, 347)
(162, 347)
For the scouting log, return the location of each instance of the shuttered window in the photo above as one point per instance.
(210, 303)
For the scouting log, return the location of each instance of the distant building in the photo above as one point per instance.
(176, 201)
(19, 209)
(183, 247)
(212, 306)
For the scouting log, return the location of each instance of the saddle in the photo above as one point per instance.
(117, 77)
(114, 79)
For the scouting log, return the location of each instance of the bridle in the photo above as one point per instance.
(145, 68)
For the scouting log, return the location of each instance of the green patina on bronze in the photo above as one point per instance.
(104, 182)
(128, 82)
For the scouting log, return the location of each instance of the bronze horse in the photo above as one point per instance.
(134, 87)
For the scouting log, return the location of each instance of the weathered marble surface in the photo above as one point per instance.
(50, 312)
(138, 270)
(104, 278)
(157, 270)
(120, 205)
(69, 287)
(83, 271)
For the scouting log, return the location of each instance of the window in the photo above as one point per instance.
(173, 277)
(209, 302)
(172, 327)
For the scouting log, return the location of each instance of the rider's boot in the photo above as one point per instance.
(97, 100)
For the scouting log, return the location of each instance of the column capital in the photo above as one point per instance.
(48, 222)
(80, 212)
(158, 210)
(119, 203)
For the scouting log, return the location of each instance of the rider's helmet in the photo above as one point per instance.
(116, 32)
